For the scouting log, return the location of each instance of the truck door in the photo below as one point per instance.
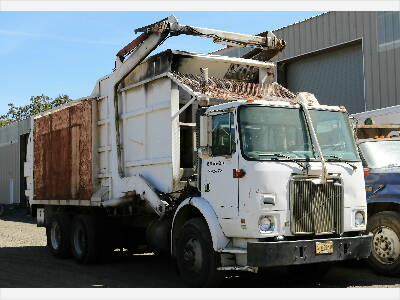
(218, 185)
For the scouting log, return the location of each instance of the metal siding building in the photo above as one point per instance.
(13, 140)
(344, 58)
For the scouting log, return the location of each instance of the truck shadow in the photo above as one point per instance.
(36, 267)
(17, 214)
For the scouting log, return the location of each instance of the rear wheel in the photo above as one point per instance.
(385, 253)
(58, 232)
(196, 259)
(2, 209)
(84, 239)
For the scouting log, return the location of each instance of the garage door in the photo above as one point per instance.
(335, 77)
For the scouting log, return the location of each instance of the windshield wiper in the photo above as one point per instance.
(284, 156)
(337, 158)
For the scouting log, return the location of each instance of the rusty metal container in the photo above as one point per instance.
(63, 153)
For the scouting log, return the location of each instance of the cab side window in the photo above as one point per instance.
(223, 135)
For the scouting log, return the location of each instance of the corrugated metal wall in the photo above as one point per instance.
(9, 174)
(335, 77)
(381, 64)
(11, 161)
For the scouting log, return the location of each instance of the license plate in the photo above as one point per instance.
(324, 247)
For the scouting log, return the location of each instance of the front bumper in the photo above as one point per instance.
(285, 253)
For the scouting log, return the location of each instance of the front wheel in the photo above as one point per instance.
(385, 254)
(196, 259)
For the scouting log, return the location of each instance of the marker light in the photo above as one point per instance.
(250, 100)
(238, 173)
(342, 107)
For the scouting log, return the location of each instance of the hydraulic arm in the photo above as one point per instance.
(267, 42)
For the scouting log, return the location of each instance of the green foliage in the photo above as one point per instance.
(4, 123)
(37, 105)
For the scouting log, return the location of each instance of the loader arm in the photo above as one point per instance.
(267, 42)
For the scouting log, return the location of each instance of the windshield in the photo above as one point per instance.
(334, 135)
(382, 154)
(273, 133)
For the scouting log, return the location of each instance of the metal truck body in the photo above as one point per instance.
(220, 165)
(379, 149)
(382, 116)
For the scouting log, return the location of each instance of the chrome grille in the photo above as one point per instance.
(316, 208)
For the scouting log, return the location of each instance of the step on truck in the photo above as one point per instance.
(203, 157)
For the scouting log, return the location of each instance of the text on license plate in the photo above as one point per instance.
(324, 247)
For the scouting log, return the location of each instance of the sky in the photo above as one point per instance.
(55, 53)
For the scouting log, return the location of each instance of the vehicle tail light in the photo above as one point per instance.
(366, 172)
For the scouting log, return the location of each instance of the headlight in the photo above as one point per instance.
(266, 224)
(359, 218)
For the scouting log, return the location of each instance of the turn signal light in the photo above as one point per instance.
(250, 100)
(342, 107)
(366, 171)
(238, 173)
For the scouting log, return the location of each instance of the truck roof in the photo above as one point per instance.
(360, 141)
(268, 101)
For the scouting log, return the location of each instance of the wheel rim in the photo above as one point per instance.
(55, 235)
(386, 245)
(79, 240)
(193, 255)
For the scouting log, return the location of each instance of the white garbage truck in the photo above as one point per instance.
(203, 157)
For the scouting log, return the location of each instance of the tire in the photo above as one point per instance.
(309, 272)
(2, 210)
(385, 252)
(58, 232)
(196, 259)
(85, 240)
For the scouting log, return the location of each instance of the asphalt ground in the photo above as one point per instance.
(26, 262)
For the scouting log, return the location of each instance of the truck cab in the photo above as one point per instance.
(285, 181)
(381, 158)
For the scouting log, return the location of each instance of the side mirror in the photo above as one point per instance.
(204, 152)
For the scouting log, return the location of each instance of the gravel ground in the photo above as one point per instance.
(25, 262)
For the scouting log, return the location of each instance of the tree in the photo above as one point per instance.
(37, 105)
